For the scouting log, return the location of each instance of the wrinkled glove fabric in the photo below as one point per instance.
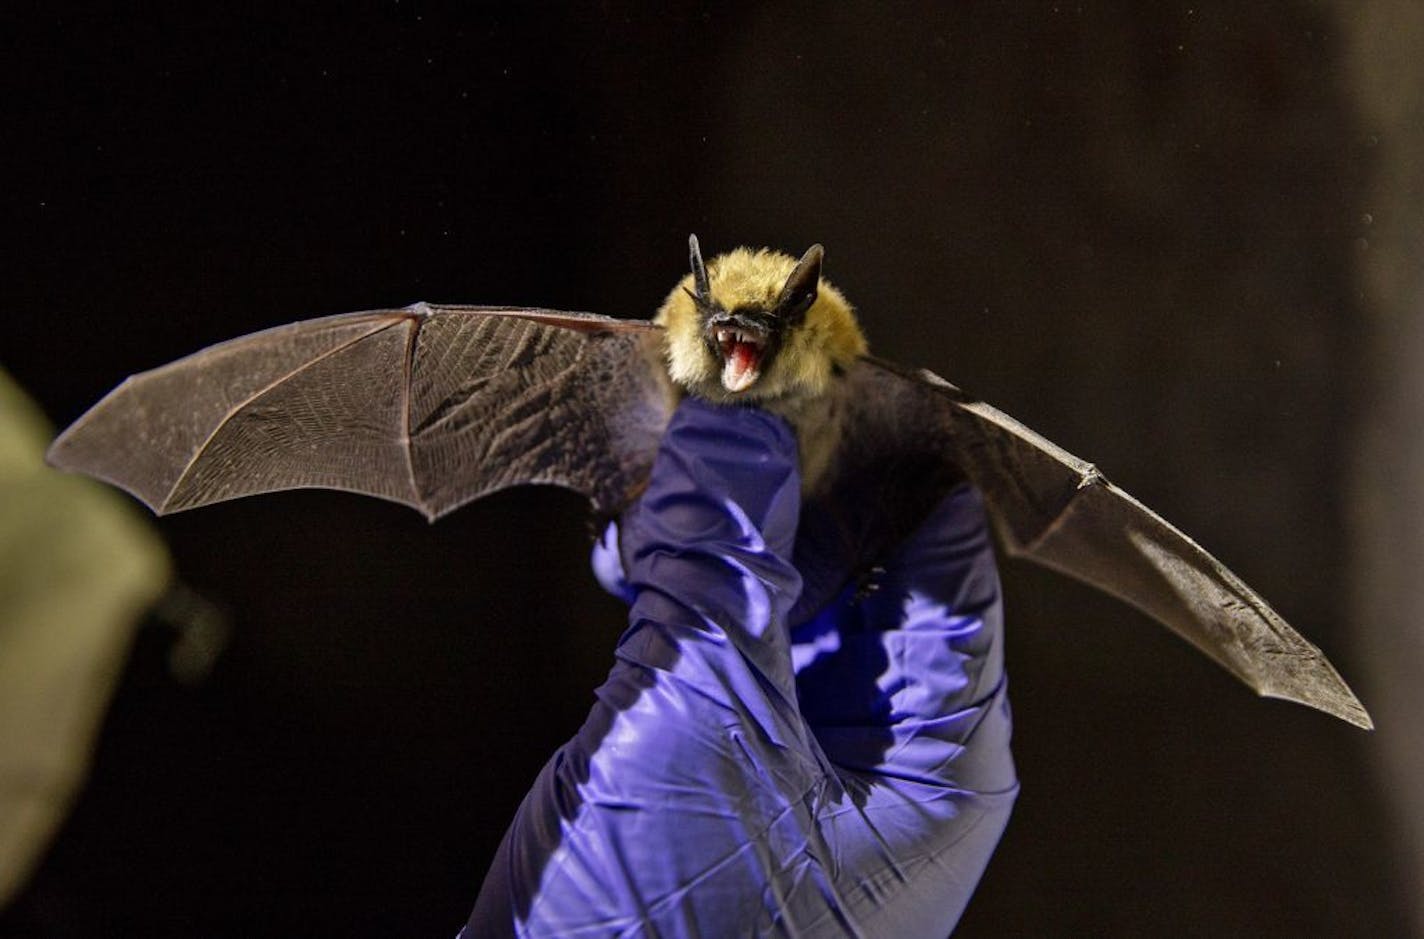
(740, 775)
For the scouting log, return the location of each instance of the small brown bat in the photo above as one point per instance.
(434, 406)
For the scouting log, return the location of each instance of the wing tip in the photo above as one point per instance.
(1334, 698)
(59, 458)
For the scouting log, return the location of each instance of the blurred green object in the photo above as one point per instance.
(78, 570)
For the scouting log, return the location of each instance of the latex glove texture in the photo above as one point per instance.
(739, 775)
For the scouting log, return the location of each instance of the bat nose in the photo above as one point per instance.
(760, 322)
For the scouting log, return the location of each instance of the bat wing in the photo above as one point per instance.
(431, 406)
(1059, 511)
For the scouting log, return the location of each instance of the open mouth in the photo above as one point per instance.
(742, 352)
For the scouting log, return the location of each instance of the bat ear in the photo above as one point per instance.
(802, 285)
(699, 273)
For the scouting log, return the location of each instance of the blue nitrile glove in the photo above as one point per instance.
(739, 778)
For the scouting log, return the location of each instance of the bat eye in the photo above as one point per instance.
(706, 308)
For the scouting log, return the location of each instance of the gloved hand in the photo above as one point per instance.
(738, 777)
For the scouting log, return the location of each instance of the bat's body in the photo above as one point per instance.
(435, 406)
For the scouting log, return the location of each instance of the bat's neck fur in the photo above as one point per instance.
(802, 381)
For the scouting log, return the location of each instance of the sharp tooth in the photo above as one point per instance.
(722, 335)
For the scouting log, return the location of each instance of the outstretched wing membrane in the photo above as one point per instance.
(1059, 511)
(430, 406)
(434, 406)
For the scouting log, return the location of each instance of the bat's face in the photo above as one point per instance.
(757, 326)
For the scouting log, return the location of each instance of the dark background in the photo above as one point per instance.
(1137, 227)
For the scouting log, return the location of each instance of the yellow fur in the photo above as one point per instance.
(828, 337)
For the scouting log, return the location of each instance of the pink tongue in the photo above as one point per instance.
(744, 357)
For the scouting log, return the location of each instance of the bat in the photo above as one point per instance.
(434, 406)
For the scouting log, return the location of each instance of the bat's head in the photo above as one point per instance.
(757, 326)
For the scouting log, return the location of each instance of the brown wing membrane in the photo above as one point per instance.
(430, 406)
(434, 406)
(1059, 511)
